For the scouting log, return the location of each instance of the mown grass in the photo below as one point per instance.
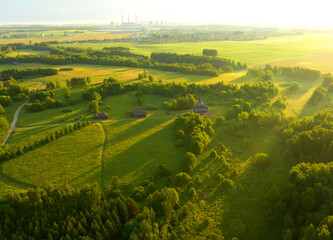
(75, 158)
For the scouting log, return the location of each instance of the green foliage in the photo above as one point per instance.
(318, 95)
(182, 103)
(279, 103)
(182, 179)
(268, 75)
(197, 129)
(67, 93)
(10, 153)
(2, 110)
(28, 72)
(260, 160)
(209, 52)
(4, 127)
(93, 106)
(310, 138)
(84, 214)
(307, 200)
(293, 87)
(189, 162)
(78, 82)
(163, 202)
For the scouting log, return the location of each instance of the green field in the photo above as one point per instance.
(77, 163)
(286, 50)
(98, 73)
(133, 149)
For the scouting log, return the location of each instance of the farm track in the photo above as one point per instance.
(13, 182)
(12, 125)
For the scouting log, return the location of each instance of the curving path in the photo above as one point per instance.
(12, 125)
(12, 182)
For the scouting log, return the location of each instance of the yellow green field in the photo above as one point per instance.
(77, 163)
(271, 50)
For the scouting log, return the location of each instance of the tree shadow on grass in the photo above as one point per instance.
(141, 157)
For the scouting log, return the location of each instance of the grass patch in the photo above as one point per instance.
(74, 158)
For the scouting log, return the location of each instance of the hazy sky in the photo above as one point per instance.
(285, 12)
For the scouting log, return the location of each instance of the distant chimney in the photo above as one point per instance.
(136, 19)
(122, 19)
(128, 18)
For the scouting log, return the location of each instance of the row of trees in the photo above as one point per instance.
(78, 82)
(189, 64)
(215, 62)
(7, 153)
(17, 73)
(40, 100)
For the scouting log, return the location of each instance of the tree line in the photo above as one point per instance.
(296, 72)
(188, 64)
(27, 72)
(7, 153)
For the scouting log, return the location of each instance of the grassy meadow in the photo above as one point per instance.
(133, 149)
(313, 50)
(98, 73)
(59, 162)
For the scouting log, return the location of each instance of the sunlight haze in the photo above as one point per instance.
(284, 12)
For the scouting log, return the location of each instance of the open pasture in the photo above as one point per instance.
(98, 73)
(250, 52)
(75, 158)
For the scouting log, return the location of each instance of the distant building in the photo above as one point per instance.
(42, 35)
(200, 107)
(139, 113)
(103, 115)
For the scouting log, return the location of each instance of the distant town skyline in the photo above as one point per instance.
(242, 12)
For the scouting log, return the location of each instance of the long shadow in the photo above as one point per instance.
(14, 182)
(33, 131)
(311, 108)
(143, 156)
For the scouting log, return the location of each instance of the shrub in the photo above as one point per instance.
(182, 179)
(220, 177)
(192, 192)
(228, 183)
(2, 110)
(189, 162)
(260, 160)
(163, 171)
(213, 154)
